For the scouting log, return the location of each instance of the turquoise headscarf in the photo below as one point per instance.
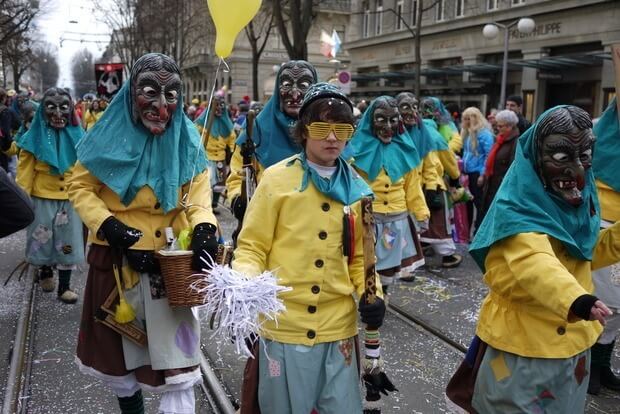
(272, 128)
(345, 185)
(426, 138)
(54, 147)
(125, 156)
(523, 205)
(222, 125)
(371, 155)
(607, 148)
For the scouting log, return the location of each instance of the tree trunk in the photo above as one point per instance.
(418, 40)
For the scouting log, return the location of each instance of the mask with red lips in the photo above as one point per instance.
(386, 120)
(565, 147)
(156, 87)
(408, 108)
(295, 78)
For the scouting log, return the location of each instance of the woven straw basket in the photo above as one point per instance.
(178, 276)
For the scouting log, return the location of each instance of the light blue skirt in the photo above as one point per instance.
(508, 383)
(55, 236)
(296, 379)
(395, 248)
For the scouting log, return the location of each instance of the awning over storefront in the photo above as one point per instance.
(543, 63)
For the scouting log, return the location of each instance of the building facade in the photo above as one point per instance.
(565, 60)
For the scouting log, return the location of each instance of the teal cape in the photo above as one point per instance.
(607, 149)
(522, 205)
(426, 138)
(272, 131)
(222, 125)
(54, 147)
(371, 155)
(345, 185)
(125, 156)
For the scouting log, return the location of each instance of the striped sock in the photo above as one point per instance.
(64, 280)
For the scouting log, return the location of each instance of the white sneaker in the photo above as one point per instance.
(68, 296)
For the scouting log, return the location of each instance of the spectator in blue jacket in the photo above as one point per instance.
(477, 142)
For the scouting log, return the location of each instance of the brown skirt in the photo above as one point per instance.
(99, 347)
(439, 224)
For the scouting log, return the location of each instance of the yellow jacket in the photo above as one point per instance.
(95, 202)
(216, 147)
(449, 165)
(298, 236)
(610, 202)
(233, 182)
(533, 281)
(90, 118)
(456, 142)
(35, 178)
(403, 195)
(432, 171)
(13, 150)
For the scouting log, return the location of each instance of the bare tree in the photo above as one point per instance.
(119, 16)
(296, 16)
(46, 64)
(15, 18)
(258, 31)
(17, 52)
(83, 71)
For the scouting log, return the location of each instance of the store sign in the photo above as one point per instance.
(548, 76)
(545, 29)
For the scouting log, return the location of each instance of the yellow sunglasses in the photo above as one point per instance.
(321, 130)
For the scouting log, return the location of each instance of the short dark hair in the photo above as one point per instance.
(323, 109)
(516, 99)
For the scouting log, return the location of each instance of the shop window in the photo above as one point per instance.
(460, 8)
(491, 5)
(399, 14)
(528, 104)
(414, 12)
(440, 10)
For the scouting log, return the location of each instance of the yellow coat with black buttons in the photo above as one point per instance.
(298, 236)
(405, 194)
(216, 147)
(95, 202)
(233, 182)
(35, 178)
(533, 282)
(610, 202)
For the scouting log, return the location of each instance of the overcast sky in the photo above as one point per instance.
(76, 22)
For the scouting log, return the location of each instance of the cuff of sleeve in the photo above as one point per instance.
(582, 305)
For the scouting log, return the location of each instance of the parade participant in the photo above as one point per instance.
(272, 128)
(46, 159)
(438, 236)
(607, 285)
(500, 157)
(219, 142)
(478, 140)
(385, 156)
(92, 114)
(434, 109)
(9, 122)
(256, 106)
(307, 360)
(537, 247)
(140, 170)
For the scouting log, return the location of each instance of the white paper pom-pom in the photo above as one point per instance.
(236, 303)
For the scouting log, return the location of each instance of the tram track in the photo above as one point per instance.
(17, 391)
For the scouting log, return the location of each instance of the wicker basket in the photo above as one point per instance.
(177, 272)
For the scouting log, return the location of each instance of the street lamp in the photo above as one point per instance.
(490, 31)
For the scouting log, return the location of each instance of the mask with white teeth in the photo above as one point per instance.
(565, 155)
(58, 108)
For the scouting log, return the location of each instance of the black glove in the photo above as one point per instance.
(454, 182)
(372, 315)
(434, 199)
(142, 261)
(238, 206)
(376, 384)
(582, 306)
(119, 235)
(204, 245)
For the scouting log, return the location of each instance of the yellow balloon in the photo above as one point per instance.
(230, 16)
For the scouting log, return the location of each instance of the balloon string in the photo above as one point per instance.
(184, 200)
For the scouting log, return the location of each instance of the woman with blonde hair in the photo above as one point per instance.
(477, 142)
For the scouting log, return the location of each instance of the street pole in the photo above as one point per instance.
(502, 94)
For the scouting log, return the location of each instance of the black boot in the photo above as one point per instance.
(133, 404)
(608, 378)
(596, 361)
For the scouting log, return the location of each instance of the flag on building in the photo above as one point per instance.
(330, 45)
